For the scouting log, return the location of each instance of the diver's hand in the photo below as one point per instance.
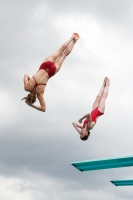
(28, 103)
(80, 121)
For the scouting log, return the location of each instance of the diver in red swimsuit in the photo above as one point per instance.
(51, 65)
(97, 110)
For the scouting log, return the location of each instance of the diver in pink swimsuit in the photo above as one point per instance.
(97, 110)
(51, 65)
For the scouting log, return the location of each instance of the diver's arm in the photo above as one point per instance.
(26, 80)
(76, 126)
(85, 116)
(42, 106)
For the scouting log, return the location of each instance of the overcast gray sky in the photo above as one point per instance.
(36, 148)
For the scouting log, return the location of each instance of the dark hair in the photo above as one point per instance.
(30, 98)
(86, 136)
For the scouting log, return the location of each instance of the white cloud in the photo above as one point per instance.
(8, 110)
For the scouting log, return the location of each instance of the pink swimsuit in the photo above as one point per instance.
(94, 114)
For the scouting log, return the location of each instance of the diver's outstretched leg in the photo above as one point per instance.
(61, 59)
(53, 57)
(101, 106)
(97, 100)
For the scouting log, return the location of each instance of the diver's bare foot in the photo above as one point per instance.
(108, 82)
(75, 37)
(104, 82)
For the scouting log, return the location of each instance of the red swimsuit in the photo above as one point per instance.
(49, 67)
(94, 114)
(36, 84)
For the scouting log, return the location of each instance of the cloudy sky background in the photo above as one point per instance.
(36, 148)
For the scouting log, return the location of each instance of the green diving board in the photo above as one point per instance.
(107, 163)
(122, 182)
